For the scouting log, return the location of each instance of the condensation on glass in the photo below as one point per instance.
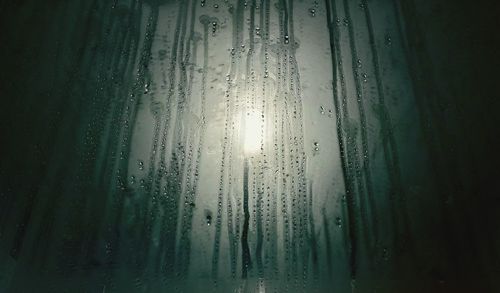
(231, 146)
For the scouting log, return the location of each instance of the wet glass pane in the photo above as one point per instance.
(247, 146)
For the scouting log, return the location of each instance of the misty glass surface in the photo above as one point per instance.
(235, 146)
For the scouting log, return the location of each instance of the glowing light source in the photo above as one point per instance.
(252, 133)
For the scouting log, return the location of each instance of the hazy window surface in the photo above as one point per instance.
(240, 146)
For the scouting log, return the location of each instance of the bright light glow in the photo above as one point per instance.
(252, 134)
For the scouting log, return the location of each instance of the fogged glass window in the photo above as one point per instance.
(233, 146)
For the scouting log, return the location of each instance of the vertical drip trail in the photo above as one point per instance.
(365, 170)
(153, 188)
(232, 77)
(245, 250)
(394, 169)
(259, 180)
(328, 243)
(158, 190)
(289, 99)
(129, 120)
(233, 225)
(201, 135)
(241, 79)
(143, 75)
(280, 109)
(189, 190)
(178, 144)
(272, 253)
(334, 55)
(343, 117)
(300, 154)
(313, 242)
(167, 171)
(113, 133)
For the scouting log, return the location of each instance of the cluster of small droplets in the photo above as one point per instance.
(214, 27)
(316, 146)
(365, 77)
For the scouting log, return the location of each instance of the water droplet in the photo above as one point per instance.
(316, 147)
(338, 222)
(388, 40)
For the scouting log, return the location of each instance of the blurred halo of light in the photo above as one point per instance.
(252, 133)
